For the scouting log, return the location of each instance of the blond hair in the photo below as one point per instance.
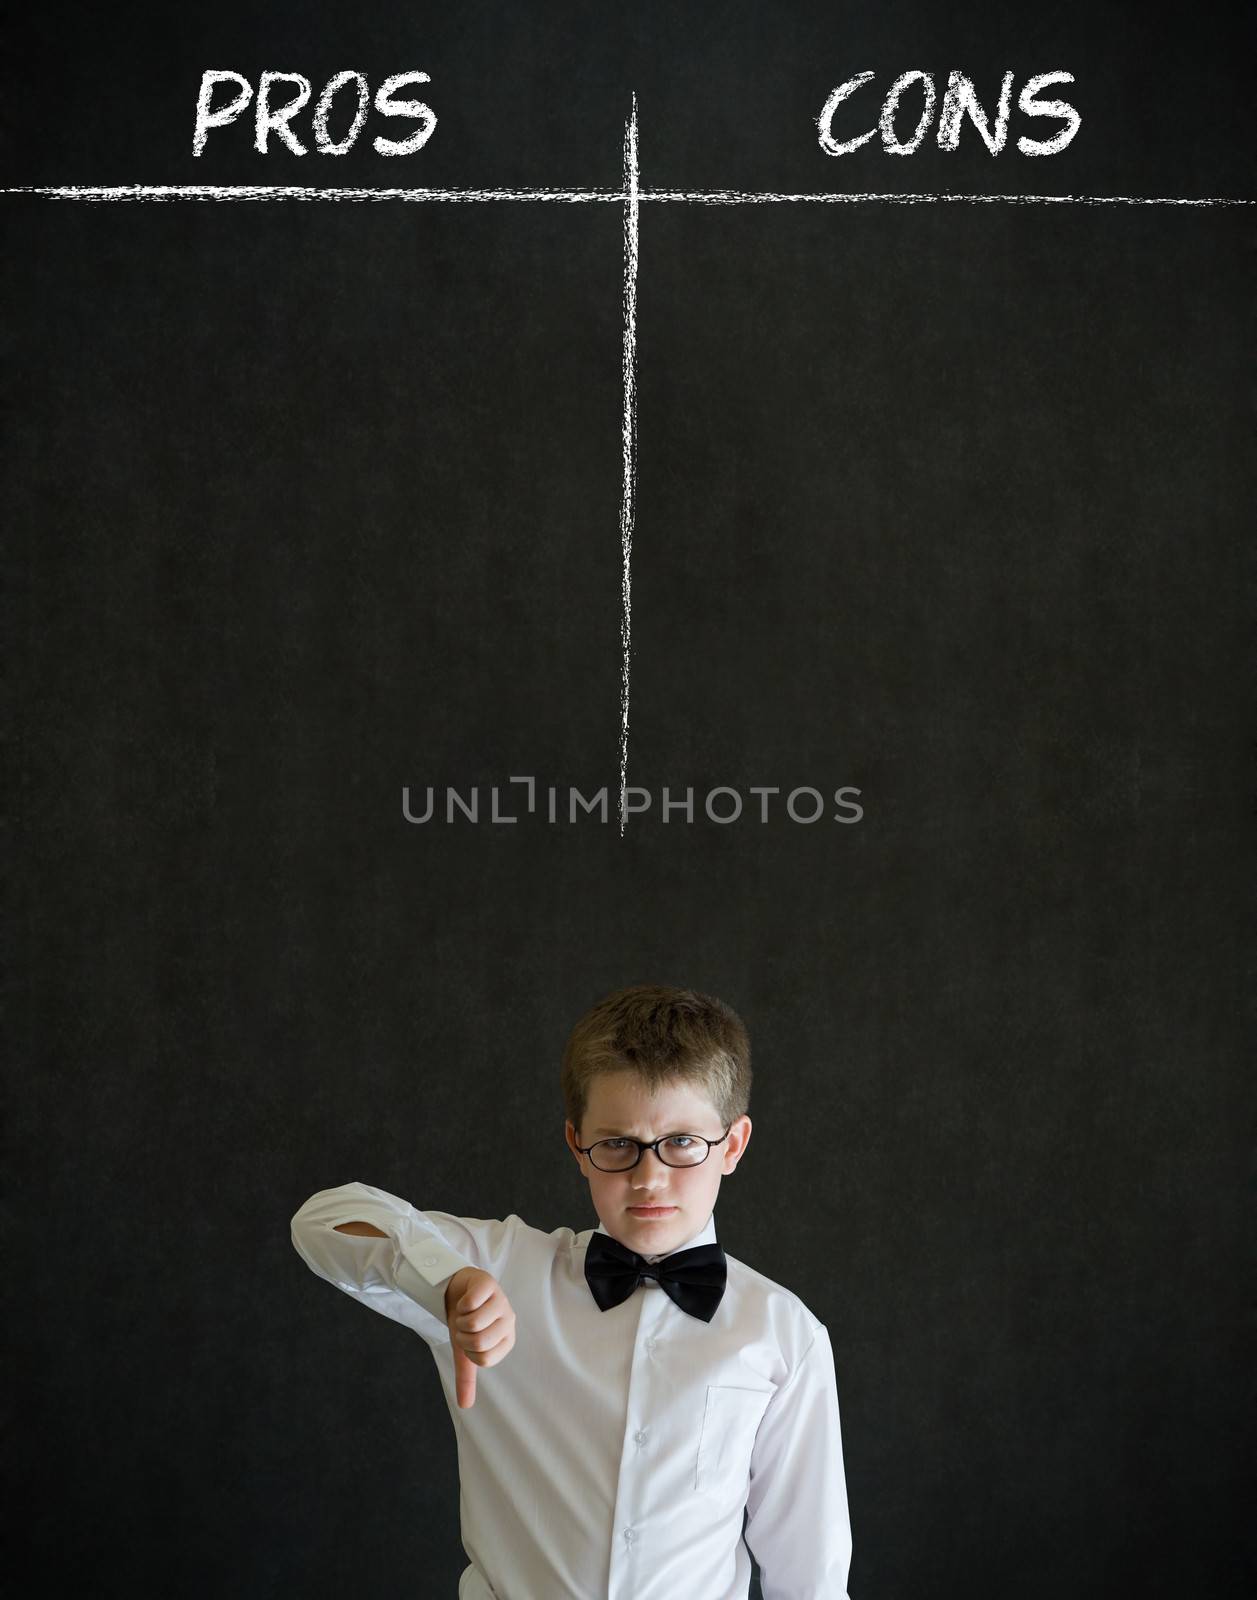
(665, 1036)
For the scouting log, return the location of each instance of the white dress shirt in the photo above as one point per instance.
(613, 1453)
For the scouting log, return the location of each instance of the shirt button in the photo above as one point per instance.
(429, 1261)
(629, 1535)
(640, 1436)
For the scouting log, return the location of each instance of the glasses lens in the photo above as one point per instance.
(614, 1155)
(680, 1150)
(683, 1150)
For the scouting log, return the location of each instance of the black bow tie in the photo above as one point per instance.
(695, 1278)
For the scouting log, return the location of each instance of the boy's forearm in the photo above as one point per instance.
(365, 1230)
(393, 1247)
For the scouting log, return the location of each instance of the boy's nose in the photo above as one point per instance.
(649, 1183)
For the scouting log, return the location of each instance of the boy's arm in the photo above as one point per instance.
(395, 1259)
(797, 1526)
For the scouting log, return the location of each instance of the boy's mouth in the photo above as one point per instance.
(651, 1211)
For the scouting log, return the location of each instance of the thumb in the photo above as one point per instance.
(464, 1378)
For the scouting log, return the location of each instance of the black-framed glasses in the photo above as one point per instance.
(673, 1149)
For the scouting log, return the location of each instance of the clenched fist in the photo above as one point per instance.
(481, 1324)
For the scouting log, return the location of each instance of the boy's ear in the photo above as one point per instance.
(742, 1129)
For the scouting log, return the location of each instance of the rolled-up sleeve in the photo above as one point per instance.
(798, 1528)
(403, 1275)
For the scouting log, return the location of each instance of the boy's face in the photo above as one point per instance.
(619, 1106)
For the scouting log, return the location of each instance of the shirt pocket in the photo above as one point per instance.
(731, 1417)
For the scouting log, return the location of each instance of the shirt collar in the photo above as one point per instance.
(705, 1235)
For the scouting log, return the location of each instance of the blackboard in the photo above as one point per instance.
(940, 498)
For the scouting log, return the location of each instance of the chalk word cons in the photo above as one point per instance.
(269, 118)
(959, 100)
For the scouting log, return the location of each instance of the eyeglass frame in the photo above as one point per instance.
(642, 1148)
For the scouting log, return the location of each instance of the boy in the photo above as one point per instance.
(661, 1392)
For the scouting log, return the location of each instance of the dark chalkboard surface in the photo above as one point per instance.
(947, 502)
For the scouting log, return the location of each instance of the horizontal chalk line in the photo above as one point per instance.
(737, 197)
(253, 191)
(703, 197)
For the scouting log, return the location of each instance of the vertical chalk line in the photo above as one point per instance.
(629, 364)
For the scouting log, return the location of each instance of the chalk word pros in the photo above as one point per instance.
(960, 99)
(269, 118)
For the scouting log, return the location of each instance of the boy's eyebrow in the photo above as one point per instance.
(619, 1135)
